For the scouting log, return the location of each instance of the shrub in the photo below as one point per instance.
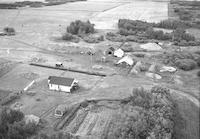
(114, 37)
(21, 130)
(80, 28)
(91, 39)
(185, 64)
(70, 37)
(159, 35)
(179, 34)
(126, 32)
(171, 24)
(140, 97)
(133, 25)
(11, 97)
(12, 125)
(160, 90)
(138, 122)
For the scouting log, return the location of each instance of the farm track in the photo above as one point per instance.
(42, 50)
(70, 69)
(47, 112)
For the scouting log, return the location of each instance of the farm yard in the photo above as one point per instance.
(105, 95)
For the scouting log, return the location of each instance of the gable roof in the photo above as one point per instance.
(126, 59)
(61, 80)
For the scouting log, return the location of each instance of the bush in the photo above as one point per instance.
(133, 25)
(70, 37)
(140, 97)
(21, 130)
(7, 118)
(171, 24)
(136, 121)
(179, 35)
(126, 32)
(11, 97)
(90, 39)
(12, 125)
(158, 35)
(80, 28)
(160, 90)
(114, 37)
(185, 64)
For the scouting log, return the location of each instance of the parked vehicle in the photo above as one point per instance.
(59, 64)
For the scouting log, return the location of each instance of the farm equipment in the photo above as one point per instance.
(59, 64)
(8, 31)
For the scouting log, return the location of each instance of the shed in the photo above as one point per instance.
(60, 110)
(61, 83)
(127, 59)
(119, 53)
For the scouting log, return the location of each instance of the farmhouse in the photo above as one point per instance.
(62, 83)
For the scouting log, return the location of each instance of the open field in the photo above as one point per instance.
(11, 1)
(138, 10)
(37, 40)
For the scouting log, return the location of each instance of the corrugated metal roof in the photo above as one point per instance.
(61, 80)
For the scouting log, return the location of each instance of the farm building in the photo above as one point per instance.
(60, 110)
(119, 53)
(126, 60)
(62, 84)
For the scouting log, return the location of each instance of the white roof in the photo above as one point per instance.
(119, 53)
(126, 59)
(166, 68)
(151, 46)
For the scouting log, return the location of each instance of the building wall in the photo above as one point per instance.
(65, 88)
(59, 88)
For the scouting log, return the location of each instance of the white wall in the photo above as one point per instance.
(65, 88)
(59, 88)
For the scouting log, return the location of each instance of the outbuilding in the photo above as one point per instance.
(119, 53)
(62, 84)
(127, 60)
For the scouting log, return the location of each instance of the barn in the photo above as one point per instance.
(62, 84)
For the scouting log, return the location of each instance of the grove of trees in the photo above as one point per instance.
(12, 125)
